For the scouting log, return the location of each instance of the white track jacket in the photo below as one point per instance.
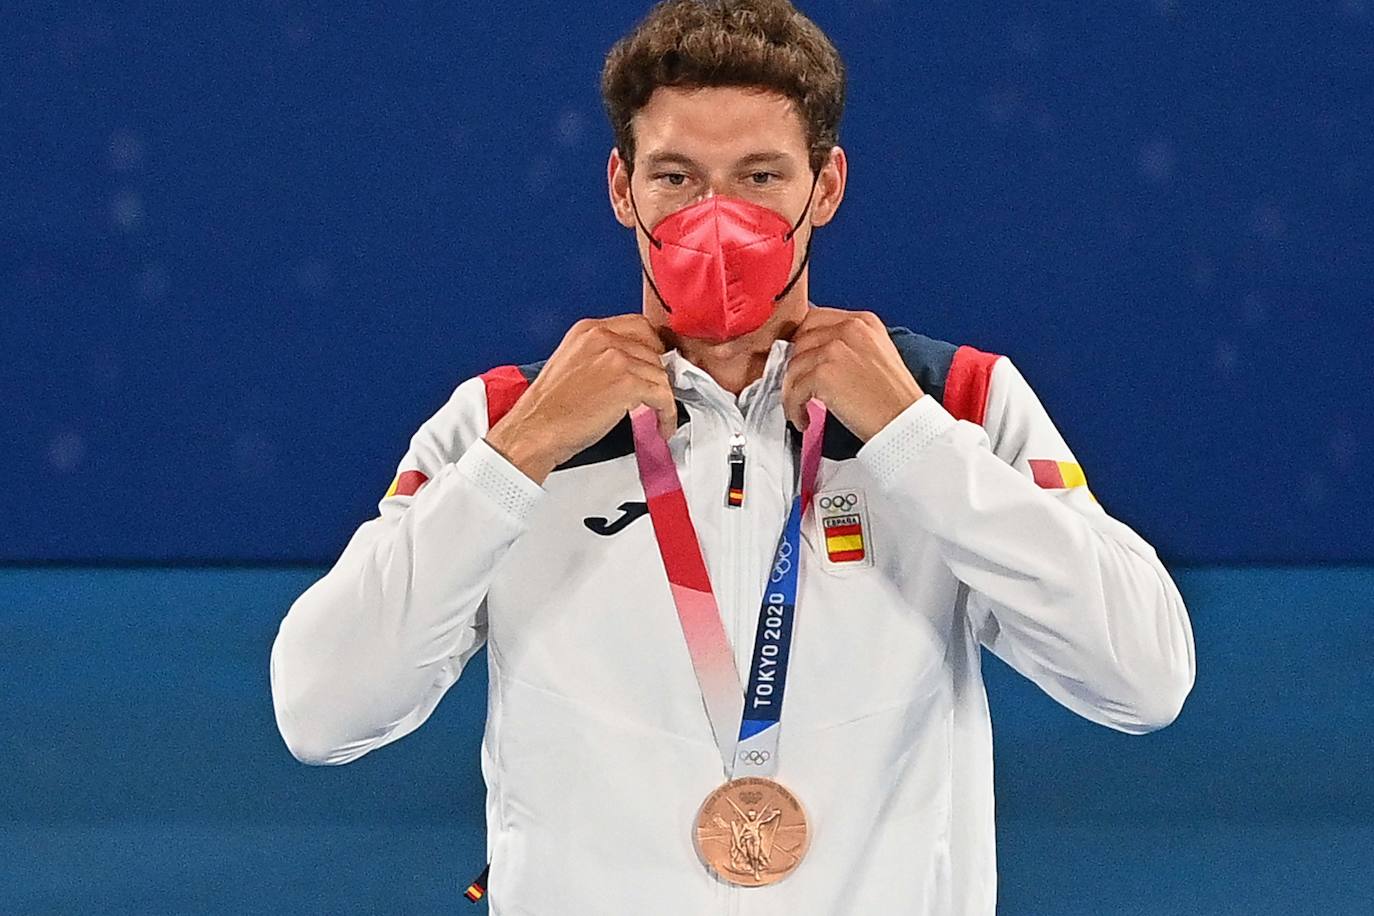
(976, 529)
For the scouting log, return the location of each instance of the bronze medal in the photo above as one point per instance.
(751, 832)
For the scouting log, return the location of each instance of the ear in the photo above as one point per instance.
(618, 183)
(830, 187)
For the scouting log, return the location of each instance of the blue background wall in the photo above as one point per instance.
(247, 248)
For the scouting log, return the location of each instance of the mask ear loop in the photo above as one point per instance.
(806, 258)
(657, 243)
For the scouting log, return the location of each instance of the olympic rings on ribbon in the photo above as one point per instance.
(783, 566)
(756, 757)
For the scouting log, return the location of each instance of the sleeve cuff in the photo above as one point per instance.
(909, 433)
(502, 482)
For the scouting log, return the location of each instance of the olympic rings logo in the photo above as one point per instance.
(841, 502)
(784, 564)
(756, 757)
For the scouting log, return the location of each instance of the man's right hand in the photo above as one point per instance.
(603, 369)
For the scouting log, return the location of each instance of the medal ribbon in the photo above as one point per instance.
(753, 748)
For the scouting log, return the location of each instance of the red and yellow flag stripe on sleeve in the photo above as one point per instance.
(407, 483)
(1059, 475)
(478, 888)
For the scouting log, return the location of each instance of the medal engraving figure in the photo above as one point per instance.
(751, 832)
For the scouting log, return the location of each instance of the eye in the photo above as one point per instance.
(763, 178)
(674, 179)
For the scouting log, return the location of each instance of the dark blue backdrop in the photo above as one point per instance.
(246, 249)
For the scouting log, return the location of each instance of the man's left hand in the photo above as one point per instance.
(848, 361)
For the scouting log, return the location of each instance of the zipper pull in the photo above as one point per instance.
(734, 498)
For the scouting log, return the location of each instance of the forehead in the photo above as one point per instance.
(718, 122)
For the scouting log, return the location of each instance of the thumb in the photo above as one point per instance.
(667, 421)
(794, 401)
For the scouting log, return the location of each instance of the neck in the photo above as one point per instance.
(737, 364)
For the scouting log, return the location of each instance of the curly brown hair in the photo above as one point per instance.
(755, 43)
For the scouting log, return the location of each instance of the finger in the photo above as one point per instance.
(802, 393)
(648, 374)
(635, 349)
(813, 376)
(860, 332)
(806, 342)
(831, 324)
(805, 361)
(870, 321)
(649, 367)
(657, 396)
(591, 336)
(667, 421)
(797, 389)
(649, 385)
(800, 368)
(818, 318)
(580, 328)
(621, 356)
(635, 327)
(816, 362)
(821, 317)
(814, 335)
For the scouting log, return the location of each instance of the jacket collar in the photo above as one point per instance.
(691, 381)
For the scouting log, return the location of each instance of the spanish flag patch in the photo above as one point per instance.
(1058, 475)
(407, 483)
(844, 539)
(478, 888)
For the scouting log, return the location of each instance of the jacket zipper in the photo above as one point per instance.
(734, 496)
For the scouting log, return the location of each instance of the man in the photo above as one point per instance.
(838, 516)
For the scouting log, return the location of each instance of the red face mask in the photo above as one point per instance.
(718, 265)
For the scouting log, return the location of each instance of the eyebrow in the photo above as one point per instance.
(671, 158)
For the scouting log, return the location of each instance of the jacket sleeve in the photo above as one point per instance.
(364, 655)
(1068, 596)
